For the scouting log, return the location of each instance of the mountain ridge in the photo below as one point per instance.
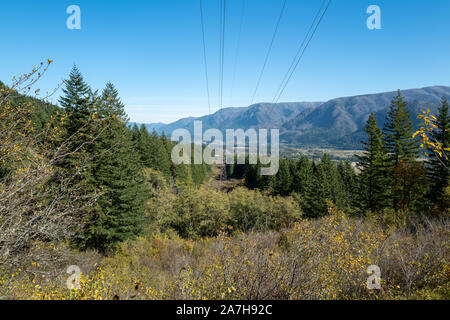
(338, 122)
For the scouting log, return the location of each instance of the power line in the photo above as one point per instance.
(204, 56)
(299, 49)
(269, 50)
(297, 58)
(222, 48)
(237, 49)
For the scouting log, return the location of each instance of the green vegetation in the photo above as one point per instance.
(326, 258)
(78, 186)
(374, 167)
(391, 177)
(438, 163)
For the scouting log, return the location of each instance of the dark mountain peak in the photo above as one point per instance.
(338, 122)
(343, 117)
(259, 115)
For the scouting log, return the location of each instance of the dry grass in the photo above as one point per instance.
(321, 259)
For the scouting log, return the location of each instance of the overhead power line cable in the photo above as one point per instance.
(204, 56)
(237, 50)
(300, 53)
(269, 50)
(299, 49)
(223, 9)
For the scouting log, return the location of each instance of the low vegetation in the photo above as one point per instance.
(80, 188)
(320, 259)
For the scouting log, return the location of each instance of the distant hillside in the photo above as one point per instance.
(262, 115)
(42, 110)
(338, 123)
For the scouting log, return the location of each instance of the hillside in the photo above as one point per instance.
(261, 115)
(338, 123)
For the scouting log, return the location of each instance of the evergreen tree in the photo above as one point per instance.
(136, 135)
(334, 181)
(154, 153)
(320, 194)
(181, 173)
(350, 184)
(398, 132)
(78, 105)
(199, 171)
(403, 153)
(80, 133)
(438, 166)
(118, 174)
(303, 176)
(252, 175)
(303, 182)
(282, 183)
(374, 193)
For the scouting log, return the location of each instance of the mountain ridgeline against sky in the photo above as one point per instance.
(338, 123)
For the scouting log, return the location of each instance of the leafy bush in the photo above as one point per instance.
(195, 213)
(315, 259)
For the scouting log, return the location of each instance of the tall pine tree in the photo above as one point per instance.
(398, 132)
(439, 166)
(335, 182)
(406, 173)
(118, 174)
(317, 205)
(80, 134)
(350, 184)
(374, 194)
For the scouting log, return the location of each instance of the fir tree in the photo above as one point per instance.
(398, 132)
(438, 166)
(350, 184)
(80, 133)
(373, 163)
(252, 175)
(403, 153)
(303, 176)
(320, 194)
(303, 182)
(118, 174)
(334, 180)
(154, 153)
(77, 103)
(282, 184)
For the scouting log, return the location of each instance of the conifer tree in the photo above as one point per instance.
(80, 134)
(350, 184)
(403, 153)
(439, 166)
(303, 176)
(282, 183)
(77, 103)
(303, 182)
(252, 175)
(374, 193)
(398, 132)
(334, 180)
(320, 194)
(118, 174)
(161, 154)
(154, 153)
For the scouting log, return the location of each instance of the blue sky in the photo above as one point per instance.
(152, 50)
